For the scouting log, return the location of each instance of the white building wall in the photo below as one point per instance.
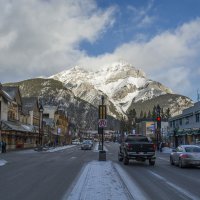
(188, 118)
(30, 120)
(50, 110)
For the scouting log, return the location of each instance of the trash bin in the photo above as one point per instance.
(102, 155)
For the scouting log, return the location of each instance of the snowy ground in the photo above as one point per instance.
(166, 150)
(60, 148)
(2, 162)
(96, 147)
(104, 180)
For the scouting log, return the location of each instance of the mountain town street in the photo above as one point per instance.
(72, 173)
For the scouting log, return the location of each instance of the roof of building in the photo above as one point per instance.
(11, 90)
(28, 103)
(17, 126)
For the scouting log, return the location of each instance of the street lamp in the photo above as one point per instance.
(158, 119)
(41, 110)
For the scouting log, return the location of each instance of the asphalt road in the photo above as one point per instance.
(32, 175)
(40, 175)
(162, 181)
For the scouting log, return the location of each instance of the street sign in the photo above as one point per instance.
(102, 111)
(102, 123)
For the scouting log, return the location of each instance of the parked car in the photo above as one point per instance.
(137, 147)
(86, 145)
(185, 155)
(75, 142)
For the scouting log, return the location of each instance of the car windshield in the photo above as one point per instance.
(86, 142)
(136, 139)
(192, 149)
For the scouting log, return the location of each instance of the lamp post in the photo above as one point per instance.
(158, 119)
(41, 110)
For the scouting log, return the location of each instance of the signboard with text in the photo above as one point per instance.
(102, 123)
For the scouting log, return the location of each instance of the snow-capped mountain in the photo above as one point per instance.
(120, 82)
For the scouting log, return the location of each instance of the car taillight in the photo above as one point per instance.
(184, 156)
(129, 146)
(154, 147)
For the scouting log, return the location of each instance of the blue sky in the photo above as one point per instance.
(160, 37)
(162, 15)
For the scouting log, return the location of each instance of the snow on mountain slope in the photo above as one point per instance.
(120, 82)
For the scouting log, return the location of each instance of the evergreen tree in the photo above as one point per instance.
(131, 120)
(167, 114)
(141, 115)
(154, 113)
(145, 115)
(149, 115)
(162, 114)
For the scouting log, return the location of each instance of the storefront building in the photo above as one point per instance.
(185, 128)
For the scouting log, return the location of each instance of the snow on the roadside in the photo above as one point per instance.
(96, 148)
(166, 150)
(60, 148)
(100, 181)
(2, 162)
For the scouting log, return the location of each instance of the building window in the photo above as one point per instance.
(173, 124)
(187, 120)
(180, 122)
(197, 117)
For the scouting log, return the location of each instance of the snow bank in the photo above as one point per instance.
(99, 180)
(2, 162)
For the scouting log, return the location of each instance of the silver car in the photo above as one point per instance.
(86, 145)
(185, 155)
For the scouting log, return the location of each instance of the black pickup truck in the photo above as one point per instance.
(137, 147)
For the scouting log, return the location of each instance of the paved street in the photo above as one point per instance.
(30, 175)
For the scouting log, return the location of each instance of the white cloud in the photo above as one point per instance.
(161, 56)
(39, 35)
(42, 37)
(141, 15)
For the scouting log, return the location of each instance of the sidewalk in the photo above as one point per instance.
(104, 180)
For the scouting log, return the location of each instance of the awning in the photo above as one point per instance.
(17, 126)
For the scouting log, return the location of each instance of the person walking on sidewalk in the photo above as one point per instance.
(3, 147)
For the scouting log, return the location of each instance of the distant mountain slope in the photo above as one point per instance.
(82, 113)
(123, 86)
(174, 102)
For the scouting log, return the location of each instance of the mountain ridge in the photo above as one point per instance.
(121, 82)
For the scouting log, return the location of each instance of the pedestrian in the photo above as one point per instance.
(3, 147)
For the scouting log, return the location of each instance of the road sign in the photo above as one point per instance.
(102, 111)
(102, 123)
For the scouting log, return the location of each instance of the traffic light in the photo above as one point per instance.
(158, 119)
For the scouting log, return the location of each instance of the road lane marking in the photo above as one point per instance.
(177, 188)
(165, 159)
(73, 157)
(131, 185)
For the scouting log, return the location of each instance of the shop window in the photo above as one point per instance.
(187, 120)
(197, 117)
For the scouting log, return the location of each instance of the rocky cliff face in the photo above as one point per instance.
(121, 83)
(53, 93)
